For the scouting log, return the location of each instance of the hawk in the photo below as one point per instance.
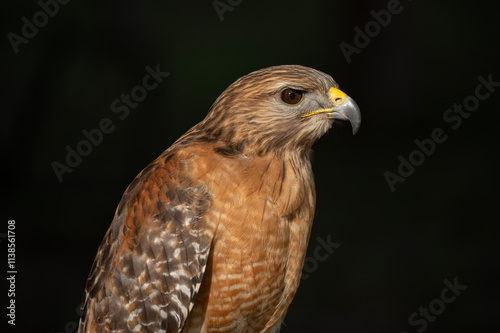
(212, 235)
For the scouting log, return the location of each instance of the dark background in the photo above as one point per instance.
(396, 248)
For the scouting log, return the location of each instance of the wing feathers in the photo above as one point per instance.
(161, 247)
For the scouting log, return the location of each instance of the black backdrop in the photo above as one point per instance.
(393, 249)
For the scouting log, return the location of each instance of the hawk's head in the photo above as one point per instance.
(278, 109)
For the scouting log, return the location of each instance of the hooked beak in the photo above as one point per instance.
(345, 109)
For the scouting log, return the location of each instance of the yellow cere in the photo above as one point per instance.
(337, 96)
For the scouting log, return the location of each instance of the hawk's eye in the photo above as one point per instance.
(292, 96)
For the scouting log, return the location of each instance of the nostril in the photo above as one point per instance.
(338, 100)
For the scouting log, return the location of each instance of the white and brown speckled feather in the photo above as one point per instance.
(151, 262)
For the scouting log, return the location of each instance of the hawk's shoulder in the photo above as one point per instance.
(150, 264)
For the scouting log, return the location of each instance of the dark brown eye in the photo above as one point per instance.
(292, 96)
